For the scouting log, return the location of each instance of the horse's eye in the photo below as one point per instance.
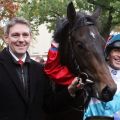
(81, 45)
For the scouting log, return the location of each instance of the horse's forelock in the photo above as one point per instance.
(82, 19)
(62, 25)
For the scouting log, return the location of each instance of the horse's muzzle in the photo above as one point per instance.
(107, 94)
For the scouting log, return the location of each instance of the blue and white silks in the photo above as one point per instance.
(111, 108)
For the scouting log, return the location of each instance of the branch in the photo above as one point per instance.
(116, 23)
(101, 5)
(55, 13)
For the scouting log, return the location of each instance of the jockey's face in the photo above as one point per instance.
(114, 58)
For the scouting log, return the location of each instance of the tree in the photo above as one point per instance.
(47, 11)
(8, 9)
(110, 17)
(43, 11)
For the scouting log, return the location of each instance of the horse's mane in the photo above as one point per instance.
(62, 25)
(61, 36)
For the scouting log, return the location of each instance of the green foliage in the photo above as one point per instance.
(47, 11)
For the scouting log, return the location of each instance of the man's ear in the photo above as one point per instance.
(5, 37)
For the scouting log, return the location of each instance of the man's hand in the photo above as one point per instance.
(74, 86)
(78, 84)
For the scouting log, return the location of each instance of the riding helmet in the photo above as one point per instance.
(113, 42)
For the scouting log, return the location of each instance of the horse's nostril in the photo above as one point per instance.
(107, 94)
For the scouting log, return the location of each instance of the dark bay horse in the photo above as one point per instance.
(81, 49)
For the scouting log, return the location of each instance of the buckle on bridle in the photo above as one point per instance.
(83, 79)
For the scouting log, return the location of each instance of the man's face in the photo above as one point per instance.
(114, 58)
(19, 39)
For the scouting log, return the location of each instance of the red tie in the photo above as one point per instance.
(20, 62)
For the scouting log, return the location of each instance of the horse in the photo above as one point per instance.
(81, 49)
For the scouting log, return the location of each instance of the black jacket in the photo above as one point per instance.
(13, 103)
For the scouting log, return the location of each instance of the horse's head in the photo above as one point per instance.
(81, 49)
(87, 46)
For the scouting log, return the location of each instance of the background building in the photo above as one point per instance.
(41, 45)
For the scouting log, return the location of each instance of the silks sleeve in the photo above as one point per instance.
(57, 72)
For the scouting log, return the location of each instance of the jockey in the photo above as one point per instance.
(111, 108)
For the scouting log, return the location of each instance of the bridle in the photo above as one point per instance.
(81, 74)
(82, 22)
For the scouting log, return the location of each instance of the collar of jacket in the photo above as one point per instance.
(5, 55)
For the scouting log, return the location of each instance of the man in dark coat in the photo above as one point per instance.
(25, 90)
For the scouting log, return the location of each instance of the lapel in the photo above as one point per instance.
(8, 63)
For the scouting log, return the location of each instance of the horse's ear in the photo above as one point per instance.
(71, 13)
(97, 13)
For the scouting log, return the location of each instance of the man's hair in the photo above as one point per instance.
(14, 21)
